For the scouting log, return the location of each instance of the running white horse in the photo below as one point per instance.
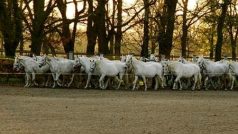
(31, 67)
(233, 71)
(181, 70)
(233, 67)
(184, 61)
(213, 69)
(105, 67)
(85, 63)
(145, 70)
(60, 66)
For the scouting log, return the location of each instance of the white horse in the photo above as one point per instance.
(233, 67)
(184, 61)
(85, 63)
(60, 66)
(181, 70)
(104, 67)
(31, 67)
(233, 71)
(212, 69)
(145, 70)
(153, 58)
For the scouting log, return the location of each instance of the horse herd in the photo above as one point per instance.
(129, 72)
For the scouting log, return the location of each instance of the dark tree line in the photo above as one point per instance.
(106, 24)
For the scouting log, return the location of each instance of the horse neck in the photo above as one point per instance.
(85, 62)
(44, 68)
(173, 65)
(23, 62)
(136, 63)
(52, 63)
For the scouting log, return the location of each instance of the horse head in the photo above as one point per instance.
(182, 60)
(165, 66)
(17, 66)
(129, 60)
(92, 65)
(153, 58)
(123, 58)
(77, 63)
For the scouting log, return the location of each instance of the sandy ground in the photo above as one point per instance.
(68, 111)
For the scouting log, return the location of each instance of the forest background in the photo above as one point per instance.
(117, 27)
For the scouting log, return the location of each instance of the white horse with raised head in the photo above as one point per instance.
(104, 67)
(84, 61)
(181, 70)
(31, 66)
(145, 70)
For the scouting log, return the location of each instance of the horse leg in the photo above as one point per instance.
(57, 79)
(176, 82)
(120, 80)
(206, 83)
(232, 79)
(88, 80)
(199, 83)
(34, 79)
(27, 80)
(71, 80)
(195, 82)
(101, 81)
(135, 82)
(54, 79)
(225, 81)
(163, 81)
(156, 82)
(126, 81)
(106, 84)
(144, 80)
(180, 84)
(48, 81)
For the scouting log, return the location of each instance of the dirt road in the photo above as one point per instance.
(69, 111)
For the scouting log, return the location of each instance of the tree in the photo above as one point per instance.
(35, 20)
(91, 27)
(220, 26)
(144, 48)
(68, 38)
(10, 26)
(190, 17)
(118, 35)
(232, 27)
(166, 27)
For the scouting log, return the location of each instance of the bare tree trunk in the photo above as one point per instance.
(165, 38)
(220, 25)
(91, 33)
(144, 47)
(211, 42)
(10, 26)
(118, 36)
(184, 29)
(101, 27)
(184, 41)
(233, 49)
